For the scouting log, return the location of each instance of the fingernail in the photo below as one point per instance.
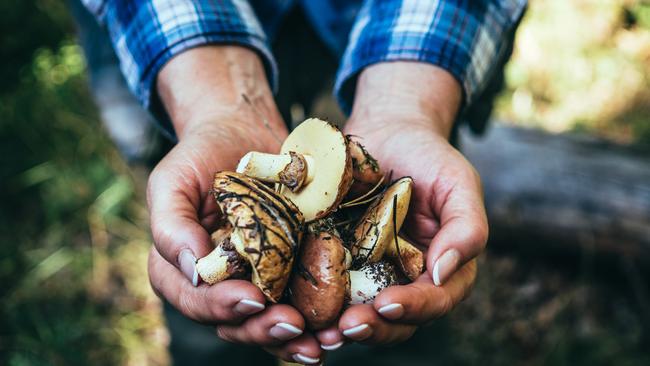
(305, 359)
(445, 266)
(284, 331)
(332, 347)
(359, 332)
(187, 262)
(392, 311)
(248, 307)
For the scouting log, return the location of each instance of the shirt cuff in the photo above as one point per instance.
(467, 40)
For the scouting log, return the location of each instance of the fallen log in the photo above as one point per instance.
(563, 192)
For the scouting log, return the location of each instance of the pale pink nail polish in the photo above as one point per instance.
(285, 331)
(392, 311)
(305, 360)
(248, 307)
(445, 266)
(187, 264)
(332, 347)
(359, 332)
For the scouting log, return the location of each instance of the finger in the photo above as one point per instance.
(277, 324)
(330, 338)
(362, 323)
(420, 302)
(229, 301)
(304, 350)
(174, 195)
(463, 229)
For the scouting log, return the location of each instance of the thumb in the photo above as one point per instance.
(463, 232)
(174, 197)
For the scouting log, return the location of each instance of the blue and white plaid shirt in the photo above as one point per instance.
(468, 38)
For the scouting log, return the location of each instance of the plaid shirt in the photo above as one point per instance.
(468, 38)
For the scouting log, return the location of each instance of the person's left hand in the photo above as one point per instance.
(446, 219)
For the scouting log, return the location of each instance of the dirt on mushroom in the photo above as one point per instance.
(268, 200)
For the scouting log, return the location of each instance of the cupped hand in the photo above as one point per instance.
(183, 214)
(221, 107)
(403, 115)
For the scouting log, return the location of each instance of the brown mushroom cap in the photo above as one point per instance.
(365, 169)
(267, 229)
(375, 235)
(407, 257)
(321, 283)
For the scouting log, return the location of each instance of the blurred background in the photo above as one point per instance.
(73, 223)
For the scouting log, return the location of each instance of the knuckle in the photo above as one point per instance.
(188, 306)
(419, 298)
(154, 280)
(446, 304)
(481, 235)
(163, 234)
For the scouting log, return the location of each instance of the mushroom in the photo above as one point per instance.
(322, 284)
(369, 280)
(365, 169)
(223, 262)
(375, 236)
(266, 232)
(314, 168)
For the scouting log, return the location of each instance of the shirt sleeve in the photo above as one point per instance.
(148, 33)
(470, 39)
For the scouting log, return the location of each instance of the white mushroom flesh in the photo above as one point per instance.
(369, 280)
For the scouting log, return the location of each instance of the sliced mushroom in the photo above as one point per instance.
(322, 285)
(314, 168)
(266, 231)
(366, 172)
(376, 233)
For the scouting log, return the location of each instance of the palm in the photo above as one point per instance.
(436, 167)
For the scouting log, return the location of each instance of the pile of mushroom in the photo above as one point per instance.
(287, 227)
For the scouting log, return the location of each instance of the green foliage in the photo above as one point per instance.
(582, 65)
(73, 224)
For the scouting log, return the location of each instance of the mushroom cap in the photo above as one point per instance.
(320, 285)
(378, 226)
(366, 172)
(407, 257)
(267, 229)
(332, 175)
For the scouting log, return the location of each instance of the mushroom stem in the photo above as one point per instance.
(213, 268)
(222, 263)
(369, 280)
(292, 170)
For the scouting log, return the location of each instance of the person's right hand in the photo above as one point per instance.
(202, 91)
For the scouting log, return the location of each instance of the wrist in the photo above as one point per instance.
(218, 87)
(420, 94)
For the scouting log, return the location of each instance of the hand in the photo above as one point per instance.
(202, 91)
(446, 215)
